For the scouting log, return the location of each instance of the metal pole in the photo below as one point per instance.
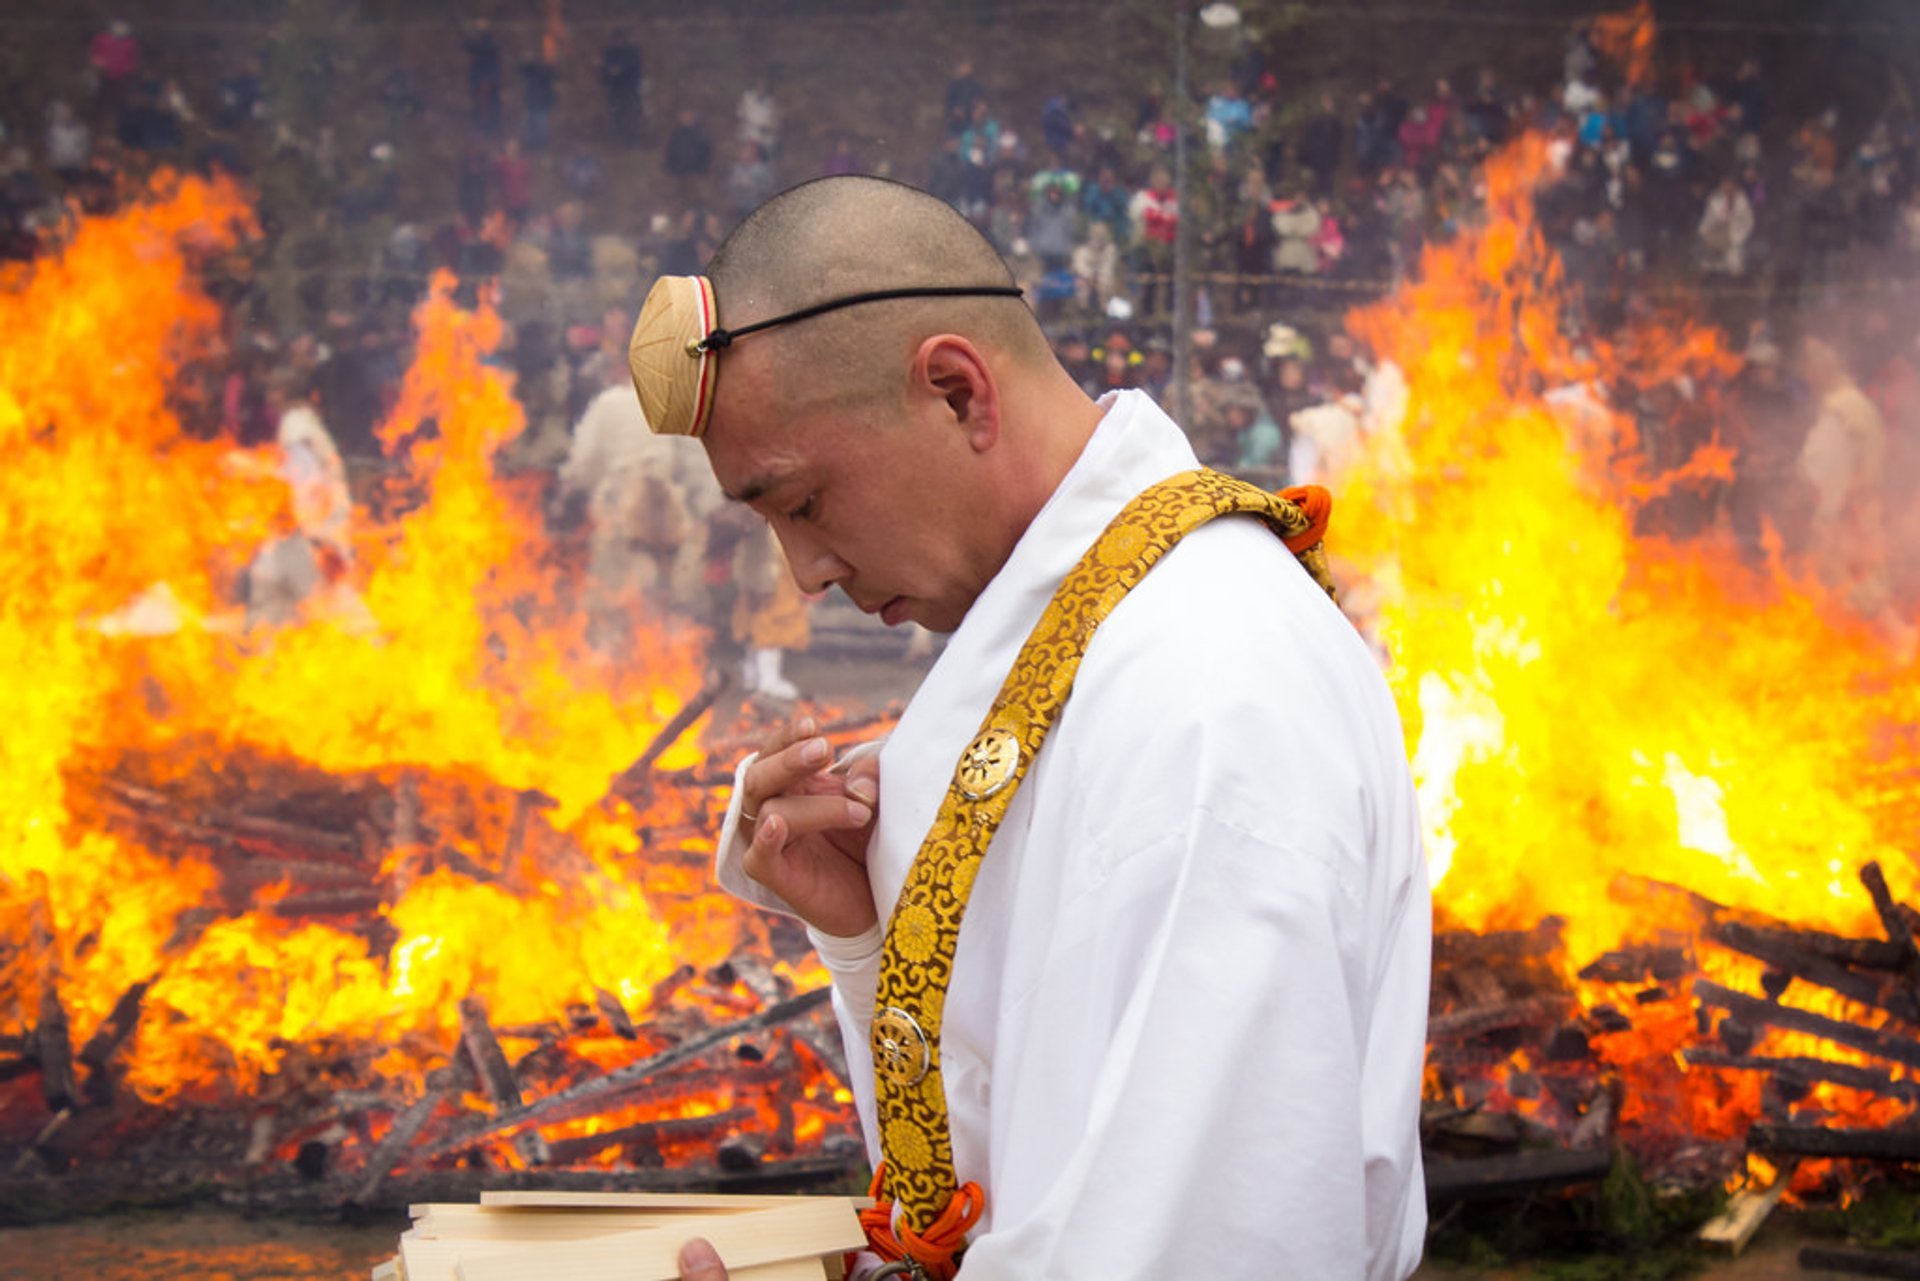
(1182, 280)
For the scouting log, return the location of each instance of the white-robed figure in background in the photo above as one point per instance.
(305, 573)
(1186, 1020)
(647, 504)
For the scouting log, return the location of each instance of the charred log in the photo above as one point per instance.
(97, 1054)
(1752, 1009)
(1806, 1072)
(488, 1059)
(1778, 950)
(1479, 1020)
(622, 1079)
(1900, 1145)
(1477, 1178)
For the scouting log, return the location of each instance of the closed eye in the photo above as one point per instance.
(806, 510)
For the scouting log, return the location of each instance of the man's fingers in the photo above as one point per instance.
(789, 818)
(699, 1261)
(777, 773)
(863, 779)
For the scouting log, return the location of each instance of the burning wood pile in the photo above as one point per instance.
(728, 1074)
(1538, 1082)
(408, 892)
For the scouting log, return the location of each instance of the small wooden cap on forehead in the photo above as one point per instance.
(672, 374)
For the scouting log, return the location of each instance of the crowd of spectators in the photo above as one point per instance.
(1298, 206)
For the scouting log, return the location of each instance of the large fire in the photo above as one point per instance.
(1593, 711)
(450, 674)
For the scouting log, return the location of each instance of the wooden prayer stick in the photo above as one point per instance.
(1751, 1009)
(801, 1232)
(1746, 1211)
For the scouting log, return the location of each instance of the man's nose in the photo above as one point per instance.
(814, 567)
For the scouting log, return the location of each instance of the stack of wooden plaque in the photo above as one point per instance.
(624, 1236)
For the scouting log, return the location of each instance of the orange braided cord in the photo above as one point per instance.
(934, 1249)
(1317, 503)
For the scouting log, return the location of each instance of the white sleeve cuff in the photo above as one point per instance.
(854, 964)
(730, 852)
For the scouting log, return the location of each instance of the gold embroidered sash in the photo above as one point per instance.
(925, 927)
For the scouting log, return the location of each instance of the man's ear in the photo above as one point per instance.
(953, 369)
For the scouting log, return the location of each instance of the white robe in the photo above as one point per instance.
(1187, 1021)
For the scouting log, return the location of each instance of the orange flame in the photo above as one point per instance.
(1583, 702)
(457, 674)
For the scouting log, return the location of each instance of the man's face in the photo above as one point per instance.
(872, 500)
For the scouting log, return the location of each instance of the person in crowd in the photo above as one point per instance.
(1844, 462)
(964, 93)
(844, 160)
(758, 116)
(771, 615)
(1322, 144)
(689, 151)
(1229, 115)
(539, 83)
(69, 145)
(513, 181)
(1725, 228)
(1155, 212)
(304, 573)
(1296, 226)
(750, 178)
(1096, 269)
(1770, 428)
(1052, 227)
(622, 81)
(982, 474)
(1107, 200)
(484, 78)
(113, 59)
(646, 509)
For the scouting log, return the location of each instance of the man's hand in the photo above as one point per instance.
(810, 829)
(699, 1261)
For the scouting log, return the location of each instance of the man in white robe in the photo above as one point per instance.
(1186, 1022)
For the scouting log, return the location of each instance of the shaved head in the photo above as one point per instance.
(848, 235)
(898, 447)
